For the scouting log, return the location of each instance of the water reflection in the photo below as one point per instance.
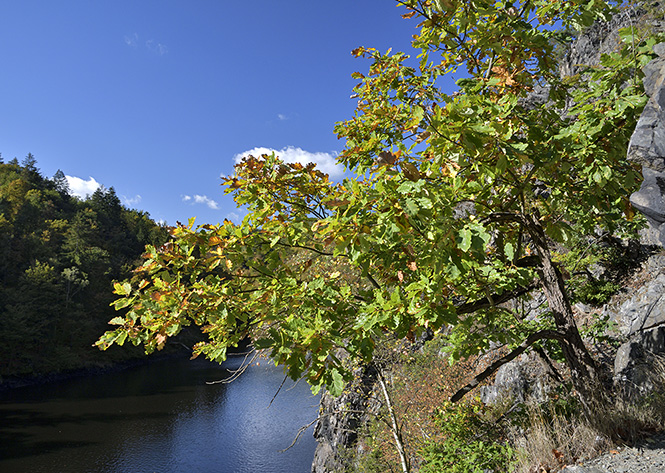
(159, 418)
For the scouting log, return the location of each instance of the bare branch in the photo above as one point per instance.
(235, 374)
(531, 339)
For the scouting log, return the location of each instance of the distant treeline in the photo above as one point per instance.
(58, 258)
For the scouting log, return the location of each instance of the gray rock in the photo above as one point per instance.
(581, 469)
(650, 199)
(647, 144)
(655, 264)
(642, 320)
(584, 308)
(340, 419)
(647, 147)
(510, 384)
(513, 385)
(645, 310)
(634, 371)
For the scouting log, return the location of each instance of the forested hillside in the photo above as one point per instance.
(58, 258)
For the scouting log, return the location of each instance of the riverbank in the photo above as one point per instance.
(15, 382)
(174, 350)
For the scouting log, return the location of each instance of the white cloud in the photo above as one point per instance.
(131, 40)
(201, 199)
(130, 201)
(282, 117)
(325, 162)
(81, 188)
(155, 47)
(234, 217)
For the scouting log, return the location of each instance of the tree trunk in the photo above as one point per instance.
(583, 368)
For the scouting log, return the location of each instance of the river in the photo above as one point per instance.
(160, 418)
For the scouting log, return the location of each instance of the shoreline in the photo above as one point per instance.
(178, 350)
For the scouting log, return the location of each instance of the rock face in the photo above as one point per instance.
(509, 382)
(340, 418)
(647, 147)
(641, 319)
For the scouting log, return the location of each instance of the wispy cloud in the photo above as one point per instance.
(81, 188)
(201, 199)
(155, 47)
(130, 201)
(235, 217)
(282, 117)
(132, 40)
(325, 162)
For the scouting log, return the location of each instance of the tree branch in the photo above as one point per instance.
(495, 299)
(531, 339)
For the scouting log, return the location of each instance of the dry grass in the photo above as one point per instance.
(552, 441)
(552, 437)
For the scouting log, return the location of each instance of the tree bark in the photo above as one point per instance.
(583, 368)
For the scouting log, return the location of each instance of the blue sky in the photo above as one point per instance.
(157, 98)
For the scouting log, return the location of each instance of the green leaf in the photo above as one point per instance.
(338, 382)
(121, 303)
(465, 239)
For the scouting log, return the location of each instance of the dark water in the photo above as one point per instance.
(162, 417)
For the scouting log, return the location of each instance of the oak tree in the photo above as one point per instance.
(454, 206)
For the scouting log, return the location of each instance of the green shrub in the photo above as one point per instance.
(473, 442)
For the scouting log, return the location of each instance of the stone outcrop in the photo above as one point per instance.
(642, 317)
(510, 383)
(647, 147)
(641, 320)
(340, 419)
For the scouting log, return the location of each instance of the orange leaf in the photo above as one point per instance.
(628, 210)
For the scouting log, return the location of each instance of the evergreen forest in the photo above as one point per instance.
(58, 258)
